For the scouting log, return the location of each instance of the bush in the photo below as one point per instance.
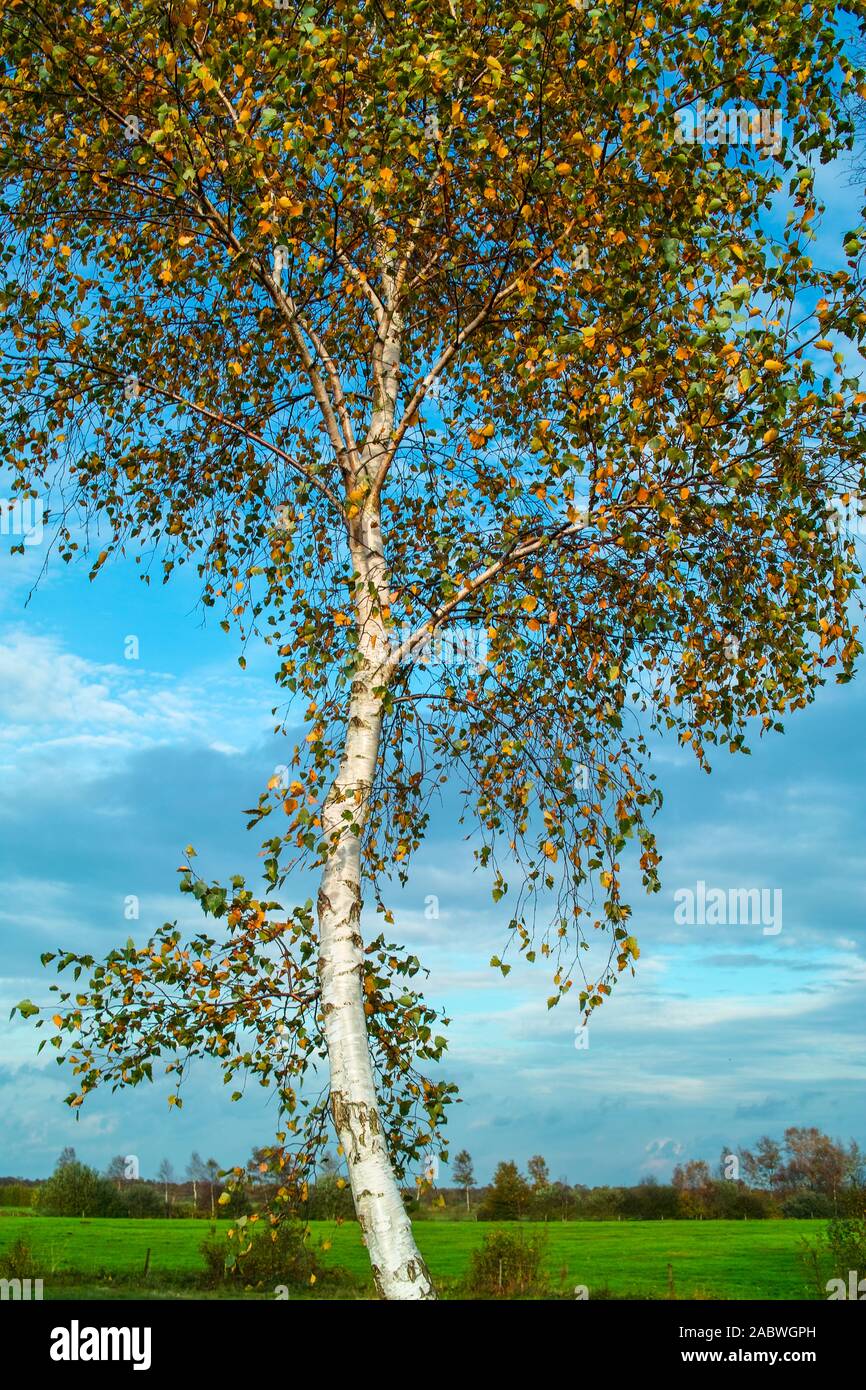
(181, 1211)
(214, 1251)
(851, 1200)
(846, 1243)
(649, 1201)
(139, 1199)
(732, 1200)
(507, 1265)
(76, 1190)
(804, 1205)
(17, 1262)
(17, 1194)
(328, 1201)
(839, 1252)
(260, 1256)
(601, 1204)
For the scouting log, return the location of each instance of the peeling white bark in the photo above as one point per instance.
(398, 1269)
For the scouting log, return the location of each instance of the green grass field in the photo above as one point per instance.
(707, 1259)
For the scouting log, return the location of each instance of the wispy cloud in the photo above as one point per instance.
(61, 711)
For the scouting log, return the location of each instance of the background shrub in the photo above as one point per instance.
(507, 1264)
(76, 1190)
(17, 1194)
(17, 1261)
(260, 1256)
(139, 1199)
(807, 1204)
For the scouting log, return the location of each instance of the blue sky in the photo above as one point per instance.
(110, 767)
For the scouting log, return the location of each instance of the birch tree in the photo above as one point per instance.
(454, 345)
(464, 1174)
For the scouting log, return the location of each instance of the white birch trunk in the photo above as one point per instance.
(398, 1269)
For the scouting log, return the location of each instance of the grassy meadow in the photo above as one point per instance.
(105, 1258)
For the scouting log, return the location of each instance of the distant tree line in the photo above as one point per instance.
(77, 1189)
(208, 1190)
(804, 1174)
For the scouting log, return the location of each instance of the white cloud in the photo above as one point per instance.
(61, 711)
